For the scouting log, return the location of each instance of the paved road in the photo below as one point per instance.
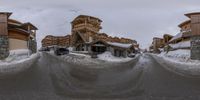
(52, 79)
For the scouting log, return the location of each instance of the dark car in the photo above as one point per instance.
(61, 51)
(132, 55)
(94, 55)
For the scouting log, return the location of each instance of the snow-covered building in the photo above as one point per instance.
(61, 41)
(157, 44)
(116, 49)
(15, 35)
(182, 39)
(167, 38)
(86, 37)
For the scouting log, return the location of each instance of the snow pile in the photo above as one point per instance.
(179, 62)
(181, 55)
(86, 60)
(16, 55)
(16, 66)
(184, 44)
(79, 54)
(19, 52)
(107, 56)
(70, 48)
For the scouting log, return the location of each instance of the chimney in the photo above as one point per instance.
(4, 46)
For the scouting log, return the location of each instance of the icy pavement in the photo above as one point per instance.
(54, 79)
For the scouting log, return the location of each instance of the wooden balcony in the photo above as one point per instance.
(187, 34)
(87, 26)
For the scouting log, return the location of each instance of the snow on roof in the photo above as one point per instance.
(120, 44)
(179, 35)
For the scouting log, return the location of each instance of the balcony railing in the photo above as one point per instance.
(187, 34)
(86, 26)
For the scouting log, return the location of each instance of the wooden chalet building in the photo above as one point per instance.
(167, 38)
(117, 49)
(84, 29)
(158, 43)
(85, 37)
(61, 41)
(182, 39)
(16, 35)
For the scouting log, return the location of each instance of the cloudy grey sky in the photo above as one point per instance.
(137, 19)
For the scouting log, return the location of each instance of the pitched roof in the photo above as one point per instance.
(184, 23)
(86, 16)
(177, 36)
(194, 13)
(8, 13)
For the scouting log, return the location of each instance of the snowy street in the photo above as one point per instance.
(52, 79)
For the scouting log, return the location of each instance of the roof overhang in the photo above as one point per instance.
(190, 14)
(80, 16)
(32, 27)
(8, 13)
(184, 23)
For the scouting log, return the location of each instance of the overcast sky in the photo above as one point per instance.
(136, 19)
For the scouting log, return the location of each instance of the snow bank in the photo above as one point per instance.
(87, 61)
(16, 66)
(184, 44)
(179, 62)
(181, 55)
(79, 54)
(107, 56)
(70, 48)
(16, 55)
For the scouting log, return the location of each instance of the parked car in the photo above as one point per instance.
(94, 55)
(132, 55)
(44, 49)
(61, 51)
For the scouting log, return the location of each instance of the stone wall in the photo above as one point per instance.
(32, 46)
(4, 47)
(195, 47)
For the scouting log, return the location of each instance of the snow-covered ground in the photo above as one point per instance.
(16, 55)
(79, 54)
(17, 61)
(105, 60)
(107, 56)
(179, 61)
(181, 56)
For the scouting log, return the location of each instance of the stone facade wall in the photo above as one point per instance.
(4, 47)
(195, 47)
(195, 39)
(32, 46)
